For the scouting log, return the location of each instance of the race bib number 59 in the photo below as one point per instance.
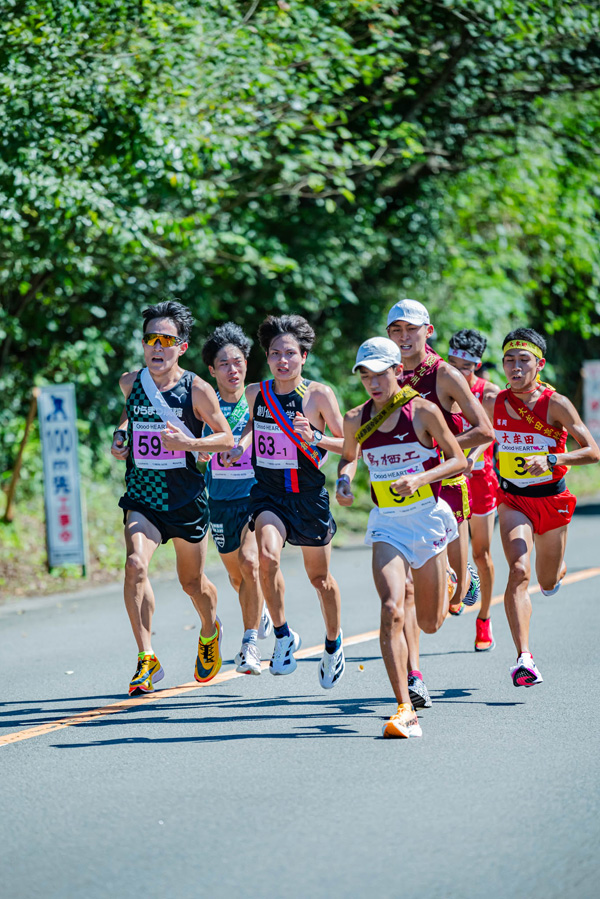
(148, 450)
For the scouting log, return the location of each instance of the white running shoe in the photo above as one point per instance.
(266, 624)
(283, 661)
(332, 667)
(525, 672)
(248, 659)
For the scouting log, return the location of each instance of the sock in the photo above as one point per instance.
(332, 646)
(282, 631)
(404, 706)
(416, 673)
(206, 640)
(250, 636)
(145, 652)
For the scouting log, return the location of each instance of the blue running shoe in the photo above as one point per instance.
(473, 594)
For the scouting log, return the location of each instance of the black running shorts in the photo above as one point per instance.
(228, 518)
(306, 516)
(189, 522)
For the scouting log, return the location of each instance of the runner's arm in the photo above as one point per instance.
(206, 408)
(454, 385)
(349, 458)
(118, 448)
(428, 421)
(562, 413)
(232, 455)
(323, 403)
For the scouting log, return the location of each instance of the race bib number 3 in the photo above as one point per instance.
(148, 450)
(238, 471)
(388, 500)
(512, 467)
(273, 448)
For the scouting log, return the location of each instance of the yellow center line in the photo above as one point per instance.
(184, 689)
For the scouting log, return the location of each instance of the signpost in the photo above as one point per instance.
(57, 417)
(591, 396)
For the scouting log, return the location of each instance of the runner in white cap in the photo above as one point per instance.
(409, 326)
(409, 528)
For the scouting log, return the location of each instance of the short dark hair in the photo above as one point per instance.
(179, 314)
(526, 334)
(469, 340)
(224, 335)
(277, 325)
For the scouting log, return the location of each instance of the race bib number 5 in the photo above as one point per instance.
(388, 500)
(148, 450)
(273, 448)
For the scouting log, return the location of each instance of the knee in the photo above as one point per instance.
(392, 614)
(248, 566)
(136, 568)
(482, 559)
(520, 572)
(268, 561)
(429, 622)
(321, 582)
(193, 586)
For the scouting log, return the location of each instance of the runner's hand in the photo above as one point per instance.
(343, 493)
(204, 457)
(230, 456)
(536, 465)
(303, 428)
(406, 485)
(118, 448)
(174, 439)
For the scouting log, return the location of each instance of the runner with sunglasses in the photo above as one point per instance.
(289, 502)
(165, 497)
(465, 353)
(532, 422)
(225, 353)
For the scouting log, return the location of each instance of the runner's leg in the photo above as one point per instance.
(549, 556)
(516, 532)
(203, 593)
(243, 571)
(317, 561)
(270, 537)
(458, 555)
(412, 631)
(482, 530)
(431, 593)
(141, 541)
(389, 574)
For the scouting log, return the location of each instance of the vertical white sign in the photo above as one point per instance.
(57, 416)
(591, 396)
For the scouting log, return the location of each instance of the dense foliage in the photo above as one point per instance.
(309, 156)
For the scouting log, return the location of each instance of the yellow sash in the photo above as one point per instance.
(399, 399)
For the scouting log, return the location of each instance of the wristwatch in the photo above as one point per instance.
(552, 461)
(318, 435)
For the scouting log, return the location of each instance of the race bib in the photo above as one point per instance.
(148, 450)
(512, 467)
(390, 503)
(238, 471)
(272, 447)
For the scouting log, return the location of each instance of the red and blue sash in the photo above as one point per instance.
(280, 418)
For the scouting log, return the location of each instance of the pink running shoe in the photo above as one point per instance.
(525, 673)
(484, 640)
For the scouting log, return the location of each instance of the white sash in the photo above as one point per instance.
(162, 408)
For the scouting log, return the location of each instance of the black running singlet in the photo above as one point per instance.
(161, 479)
(279, 466)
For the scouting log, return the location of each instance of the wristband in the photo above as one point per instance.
(343, 479)
(120, 431)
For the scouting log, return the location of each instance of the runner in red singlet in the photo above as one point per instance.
(466, 350)
(408, 325)
(531, 422)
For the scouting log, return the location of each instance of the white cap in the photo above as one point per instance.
(410, 311)
(377, 354)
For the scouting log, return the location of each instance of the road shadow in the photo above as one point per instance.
(464, 693)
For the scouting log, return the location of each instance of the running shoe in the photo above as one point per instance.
(209, 659)
(247, 660)
(419, 693)
(473, 594)
(525, 673)
(332, 667)
(452, 582)
(283, 661)
(403, 724)
(457, 611)
(484, 640)
(147, 673)
(266, 624)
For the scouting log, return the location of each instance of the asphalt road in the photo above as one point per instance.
(274, 786)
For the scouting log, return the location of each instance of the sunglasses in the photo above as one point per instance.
(165, 340)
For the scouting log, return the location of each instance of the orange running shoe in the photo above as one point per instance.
(209, 661)
(484, 640)
(404, 723)
(148, 672)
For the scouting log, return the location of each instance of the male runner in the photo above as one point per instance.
(289, 502)
(408, 325)
(225, 353)
(466, 350)
(409, 527)
(165, 497)
(531, 422)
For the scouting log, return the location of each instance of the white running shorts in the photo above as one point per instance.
(419, 537)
